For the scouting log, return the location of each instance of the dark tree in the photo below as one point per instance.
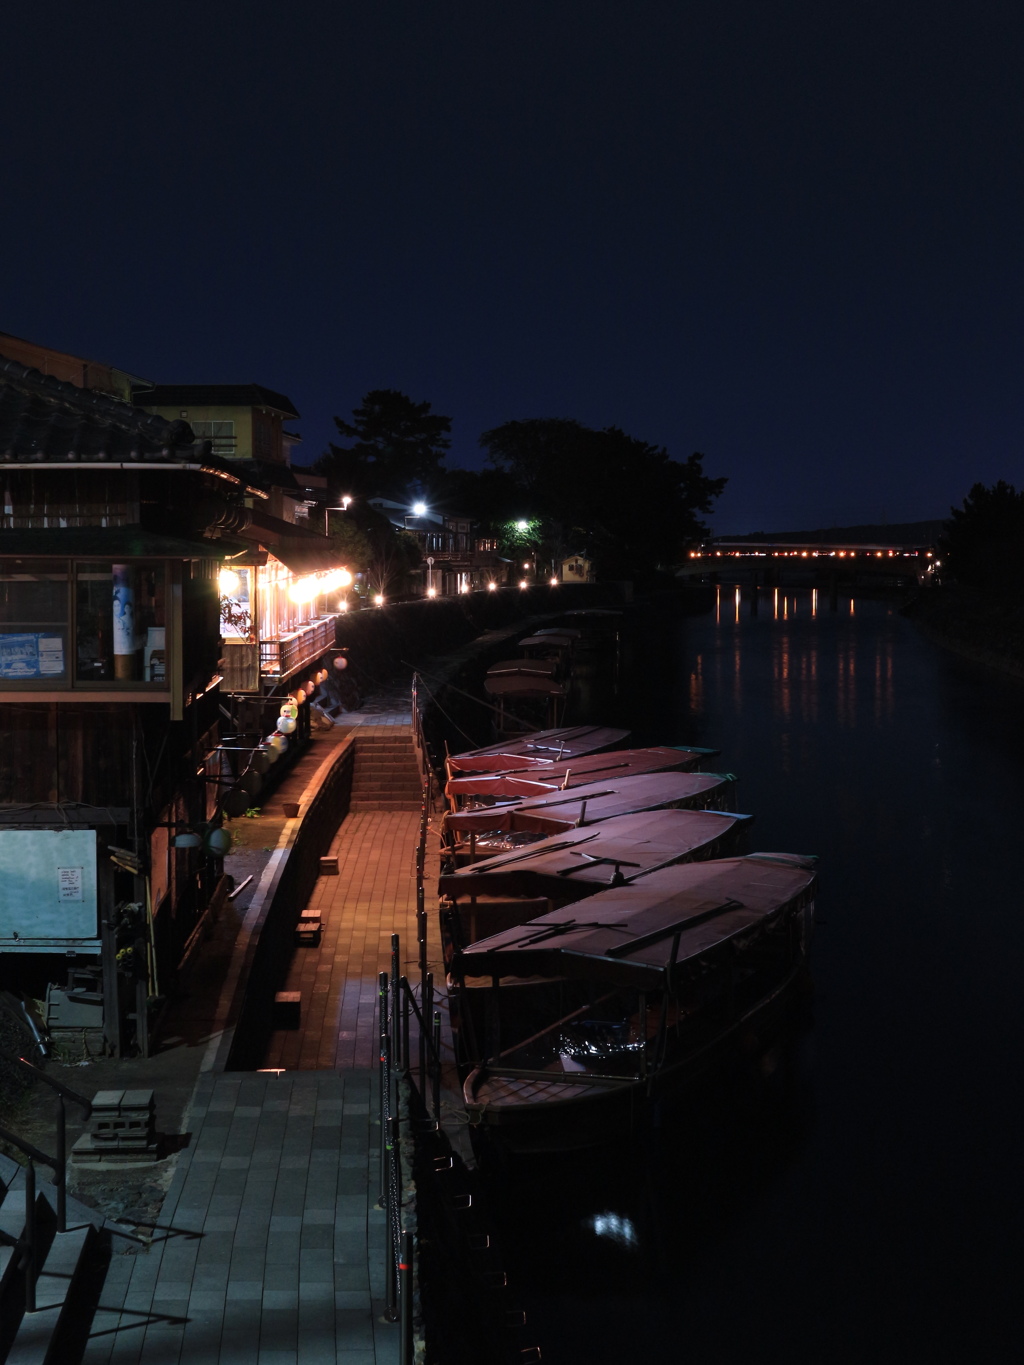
(395, 447)
(627, 502)
(982, 542)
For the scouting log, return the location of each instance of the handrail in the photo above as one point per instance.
(33, 1152)
(63, 1090)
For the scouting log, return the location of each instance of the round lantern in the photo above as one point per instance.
(218, 842)
(289, 708)
(268, 747)
(286, 725)
(251, 782)
(260, 761)
(340, 662)
(236, 802)
(279, 744)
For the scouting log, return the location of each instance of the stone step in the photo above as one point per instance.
(40, 1338)
(383, 803)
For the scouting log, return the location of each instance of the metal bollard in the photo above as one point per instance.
(437, 1067)
(60, 1178)
(403, 990)
(385, 1082)
(395, 1036)
(405, 1356)
(426, 1006)
(31, 1258)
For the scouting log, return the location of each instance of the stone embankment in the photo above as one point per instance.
(987, 628)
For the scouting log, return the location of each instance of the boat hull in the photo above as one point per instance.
(524, 1112)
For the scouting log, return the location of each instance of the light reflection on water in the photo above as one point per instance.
(866, 1213)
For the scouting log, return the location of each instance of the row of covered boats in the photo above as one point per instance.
(608, 938)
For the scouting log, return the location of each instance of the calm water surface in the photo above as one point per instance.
(868, 1207)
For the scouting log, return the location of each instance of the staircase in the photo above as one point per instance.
(71, 1265)
(386, 775)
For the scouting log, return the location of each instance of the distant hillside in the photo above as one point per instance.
(894, 533)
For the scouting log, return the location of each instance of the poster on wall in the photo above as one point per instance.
(31, 655)
(48, 897)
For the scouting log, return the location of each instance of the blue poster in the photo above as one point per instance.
(31, 655)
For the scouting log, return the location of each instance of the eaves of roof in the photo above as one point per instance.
(214, 395)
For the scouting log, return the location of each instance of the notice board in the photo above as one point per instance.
(48, 890)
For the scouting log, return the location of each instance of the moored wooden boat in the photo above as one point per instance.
(534, 776)
(584, 1015)
(563, 742)
(462, 830)
(498, 892)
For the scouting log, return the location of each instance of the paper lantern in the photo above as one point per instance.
(251, 782)
(286, 725)
(289, 708)
(279, 743)
(340, 662)
(260, 761)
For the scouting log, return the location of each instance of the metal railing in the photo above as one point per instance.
(397, 1007)
(29, 1244)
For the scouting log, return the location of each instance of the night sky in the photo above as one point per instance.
(786, 233)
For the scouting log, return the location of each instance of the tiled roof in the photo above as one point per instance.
(214, 395)
(45, 420)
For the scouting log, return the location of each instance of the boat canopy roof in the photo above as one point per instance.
(567, 741)
(640, 934)
(557, 865)
(559, 810)
(522, 685)
(545, 774)
(541, 667)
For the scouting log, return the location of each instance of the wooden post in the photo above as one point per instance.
(113, 1028)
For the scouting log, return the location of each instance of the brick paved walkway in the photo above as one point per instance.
(273, 1249)
(276, 1252)
(372, 897)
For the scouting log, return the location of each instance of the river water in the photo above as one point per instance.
(866, 1207)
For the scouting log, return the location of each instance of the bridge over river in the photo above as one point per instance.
(819, 561)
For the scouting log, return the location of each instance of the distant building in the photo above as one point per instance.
(454, 558)
(576, 569)
(125, 543)
(275, 623)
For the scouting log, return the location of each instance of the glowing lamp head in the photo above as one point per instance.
(419, 509)
(431, 592)
(228, 582)
(554, 582)
(522, 582)
(522, 525)
(378, 601)
(492, 587)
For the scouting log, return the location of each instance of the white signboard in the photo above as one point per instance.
(48, 890)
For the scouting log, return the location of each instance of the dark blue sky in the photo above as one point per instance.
(786, 234)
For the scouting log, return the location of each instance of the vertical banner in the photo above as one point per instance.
(123, 589)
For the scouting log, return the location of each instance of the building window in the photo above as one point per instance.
(33, 620)
(222, 434)
(120, 623)
(82, 623)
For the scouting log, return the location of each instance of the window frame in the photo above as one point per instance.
(107, 688)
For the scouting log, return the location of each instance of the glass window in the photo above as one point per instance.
(236, 619)
(120, 622)
(221, 434)
(33, 620)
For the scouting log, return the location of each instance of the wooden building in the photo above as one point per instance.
(115, 527)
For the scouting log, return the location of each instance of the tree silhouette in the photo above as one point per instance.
(982, 541)
(396, 447)
(625, 501)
